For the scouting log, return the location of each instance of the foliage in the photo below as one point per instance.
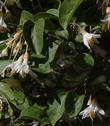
(48, 69)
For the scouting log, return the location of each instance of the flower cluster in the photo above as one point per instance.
(14, 43)
(20, 66)
(92, 110)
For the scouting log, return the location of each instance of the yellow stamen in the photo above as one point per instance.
(91, 42)
(92, 115)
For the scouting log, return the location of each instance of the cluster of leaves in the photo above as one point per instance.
(65, 72)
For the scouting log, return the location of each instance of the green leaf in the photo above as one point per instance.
(25, 16)
(63, 33)
(67, 10)
(57, 109)
(15, 97)
(43, 68)
(52, 52)
(78, 104)
(74, 104)
(89, 59)
(20, 101)
(6, 91)
(51, 13)
(4, 63)
(37, 35)
(35, 112)
(99, 80)
(54, 12)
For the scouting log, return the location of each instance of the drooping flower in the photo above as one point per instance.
(106, 20)
(24, 69)
(4, 52)
(14, 39)
(3, 25)
(1, 104)
(20, 66)
(89, 39)
(92, 110)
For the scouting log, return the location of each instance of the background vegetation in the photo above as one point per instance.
(63, 72)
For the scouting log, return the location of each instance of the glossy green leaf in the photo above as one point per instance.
(37, 35)
(52, 52)
(20, 101)
(78, 104)
(4, 63)
(43, 68)
(54, 12)
(67, 10)
(74, 104)
(51, 13)
(44, 15)
(57, 109)
(35, 112)
(25, 16)
(7, 91)
(89, 59)
(63, 33)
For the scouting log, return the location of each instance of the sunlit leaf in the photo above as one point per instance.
(74, 104)
(25, 16)
(54, 12)
(63, 33)
(37, 35)
(35, 112)
(43, 68)
(57, 109)
(6, 90)
(52, 52)
(89, 59)
(4, 63)
(67, 10)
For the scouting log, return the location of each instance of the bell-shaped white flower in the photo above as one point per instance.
(92, 110)
(106, 20)
(3, 26)
(89, 39)
(20, 66)
(15, 66)
(4, 52)
(24, 69)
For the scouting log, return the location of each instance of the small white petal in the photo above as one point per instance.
(101, 112)
(2, 23)
(96, 36)
(85, 40)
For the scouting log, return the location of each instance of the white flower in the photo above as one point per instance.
(15, 66)
(3, 26)
(4, 52)
(24, 69)
(20, 66)
(106, 22)
(92, 110)
(89, 38)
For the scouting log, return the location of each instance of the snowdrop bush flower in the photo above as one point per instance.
(106, 20)
(89, 39)
(3, 26)
(24, 69)
(20, 66)
(13, 40)
(92, 110)
(4, 52)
